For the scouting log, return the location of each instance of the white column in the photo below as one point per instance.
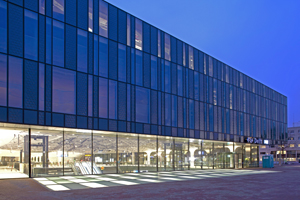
(192, 157)
(148, 157)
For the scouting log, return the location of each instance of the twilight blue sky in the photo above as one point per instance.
(258, 38)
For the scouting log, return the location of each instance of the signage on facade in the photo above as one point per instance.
(253, 140)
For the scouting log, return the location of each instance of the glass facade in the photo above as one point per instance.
(109, 74)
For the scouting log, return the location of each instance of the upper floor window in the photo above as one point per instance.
(183, 55)
(42, 7)
(142, 105)
(58, 43)
(31, 35)
(58, 9)
(3, 26)
(292, 145)
(128, 30)
(138, 34)
(15, 82)
(158, 44)
(191, 57)
(91, 15)
(3, 80)
(167, 47)
(103, 18)
(81, 50)
(63, 91)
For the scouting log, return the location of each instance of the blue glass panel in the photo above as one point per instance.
(132, 66)
(103, 97)
(58, 43)
(122, 62)
(113, 96)
(159, 108)
(162, 75)
(3, 26)
(90, 95)
(81, 50)
(142, 105)
(58, 9)
(42, 7)
(103, 18)
(167, 77)
(153, 72)
(103, 57)
(168, 110)
(179, 80)
(64, 91)
(41, 86)
(3, 80)
(48, 40)
(31, 35)
(174, 110)
(15, 82)
(191, 114)
(128, 103)
(196, 86)
(96, 54)
(139, 68)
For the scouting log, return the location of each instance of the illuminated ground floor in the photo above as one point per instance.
(38, 151)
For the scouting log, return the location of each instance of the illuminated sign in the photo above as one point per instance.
(253, 140)
(88, 155)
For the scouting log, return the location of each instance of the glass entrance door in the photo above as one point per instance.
(238, 160)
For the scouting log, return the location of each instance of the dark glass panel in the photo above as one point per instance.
(15, 82)
(103, 97)
(122, 62)
(153, 72)
(31, 35)
(58, 43)
(142, 105)
(113, 97)
(139, 67)
(41, 86)
(3, 26)
(81, 50)
(58, 9)
(3, 80)
(103, 57)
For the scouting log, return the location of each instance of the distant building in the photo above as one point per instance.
(289, 151)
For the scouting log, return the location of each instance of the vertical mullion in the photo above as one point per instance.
(29, 149)
(173, 150)
(63, 153)
(201, 154)
(189, 153)
(138, 152)
(213, 154)
(117, 155)
(157, 153)
(92, 160)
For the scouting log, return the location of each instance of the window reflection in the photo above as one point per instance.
(167, 47)
(41, 86)
(91, 15)
(191, 57)
(42, 7)
(15, 82)
(63, 91)
(58, 9)
(48, 40)
(128, 31)
(113, 99)
(122, 62)
(138, 34)
(103, 18)
(103, 57)
(58, 43)
(153, 72)
(158, 43)
(103, 97)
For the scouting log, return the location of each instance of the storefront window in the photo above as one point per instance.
(127, 153)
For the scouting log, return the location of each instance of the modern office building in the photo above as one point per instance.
(290, 151)
(86, 88)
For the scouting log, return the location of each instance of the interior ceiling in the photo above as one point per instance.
(81, 142)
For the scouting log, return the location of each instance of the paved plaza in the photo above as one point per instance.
(277, 183)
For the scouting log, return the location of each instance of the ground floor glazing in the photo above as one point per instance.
(35, 151)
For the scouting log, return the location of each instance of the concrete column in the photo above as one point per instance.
(192, 156)
(148, 157)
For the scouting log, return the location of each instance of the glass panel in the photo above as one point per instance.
(15, 82)
(113, 97)
(191, 57)
(138, 34)
(91, 15)
(48, 40)
(139, 72)
(64, 91)
(207, 155)
(81, 50)
(42, 7)
(128, 30)
(195, 154)
(3, 80)
(31, 35)
(127, 153)
(103, 18)
(14, 153)
(96, 55)
(181, 154)
(103, 97)
(122, 62)
(58, 9)
(238, 150)
(168, 110)
(179, 80)
(247, 155)
(165, 154)
(128, 102)
(167, 77)
(183, 54)
(167, 47)
(90, 96)
(153, 72)
(58, 43)
(229, 155)
(219, 155)
(103, 57)
(3, 26)
(158, 44)
(147, 153)
(41, 86)
(142, 105)
(104, 152)
(46, 153)
(78, 153)
(191, 114)
(174, 110)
